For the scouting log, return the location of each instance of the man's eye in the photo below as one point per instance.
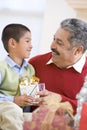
(53, 39)
(59, 42)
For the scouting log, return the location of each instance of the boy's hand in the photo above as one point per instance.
(23, 100)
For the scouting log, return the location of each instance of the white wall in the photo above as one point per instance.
(56, 11)
(42, 24)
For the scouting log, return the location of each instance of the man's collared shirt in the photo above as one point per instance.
(78, 66)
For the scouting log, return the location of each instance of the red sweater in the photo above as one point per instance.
(66, 82)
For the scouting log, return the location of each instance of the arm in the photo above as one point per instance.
(43, 94)
(6, 98)
(22, 100)
(72, 101)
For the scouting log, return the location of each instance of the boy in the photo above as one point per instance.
(16, 40)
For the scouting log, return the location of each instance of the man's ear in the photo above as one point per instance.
(79, 50)
(12, 42)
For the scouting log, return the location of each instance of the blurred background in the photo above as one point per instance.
(41, 16)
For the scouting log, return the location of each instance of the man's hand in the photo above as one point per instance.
(47, 96)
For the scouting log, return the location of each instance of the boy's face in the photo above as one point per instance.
(23, 47)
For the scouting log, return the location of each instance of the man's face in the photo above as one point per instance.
(63, 54)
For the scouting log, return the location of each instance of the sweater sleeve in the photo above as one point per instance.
(73, 102)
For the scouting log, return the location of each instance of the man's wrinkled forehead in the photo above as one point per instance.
(61, 34)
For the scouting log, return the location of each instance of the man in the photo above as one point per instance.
(64, 69)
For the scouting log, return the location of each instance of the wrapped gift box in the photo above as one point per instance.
(44, 119)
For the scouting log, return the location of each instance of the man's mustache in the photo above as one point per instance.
(54, 50)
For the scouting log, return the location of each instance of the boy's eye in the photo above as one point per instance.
(28, 41)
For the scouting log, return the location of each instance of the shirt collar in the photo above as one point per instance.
(78, 66)
(13, 64)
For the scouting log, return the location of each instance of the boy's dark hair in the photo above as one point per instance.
(15, 31)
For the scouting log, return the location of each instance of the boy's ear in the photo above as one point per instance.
(12, 42)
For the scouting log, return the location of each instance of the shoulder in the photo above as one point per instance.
(41, 57)
(3, 67)
(31, 68)
(3, 64)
